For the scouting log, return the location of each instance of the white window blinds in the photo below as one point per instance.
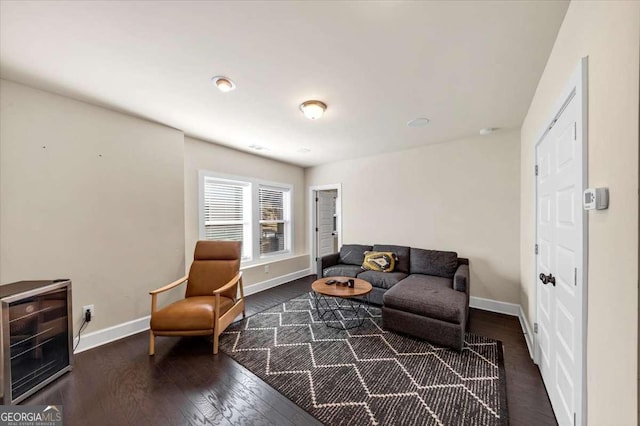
(273, 219)
(257, 213)
(226, 216)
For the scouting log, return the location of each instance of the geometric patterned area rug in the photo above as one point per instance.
(367, 375)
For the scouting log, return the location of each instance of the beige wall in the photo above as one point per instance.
(461, 195)
(91, 195)
(200, 155)
(609, 34)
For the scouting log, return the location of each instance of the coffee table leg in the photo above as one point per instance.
(322, 313)
(335, 312)
(356, 310)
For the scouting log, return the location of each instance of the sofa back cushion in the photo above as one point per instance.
(434, 262)
(353, 254)
(402, 264)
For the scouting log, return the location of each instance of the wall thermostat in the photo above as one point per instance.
(595, 198)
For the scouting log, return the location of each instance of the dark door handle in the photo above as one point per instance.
(548, 279)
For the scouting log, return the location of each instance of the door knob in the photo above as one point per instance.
(548, 279)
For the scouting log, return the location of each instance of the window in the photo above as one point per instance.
(273, 220)
(227, 212)
(247, 210)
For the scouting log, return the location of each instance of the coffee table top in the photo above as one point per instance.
(361, 287)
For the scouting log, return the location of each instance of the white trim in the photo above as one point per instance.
(274, 282)
(111, 334)
(120, 331)
(512, 309)
(270, 260)
(254, 185)
(578, 88)
(526, 330)
(494, 306)
(312, 219)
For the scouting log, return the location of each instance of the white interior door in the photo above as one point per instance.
(325, 214)
(560, 237)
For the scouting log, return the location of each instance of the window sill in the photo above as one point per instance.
(267, 260)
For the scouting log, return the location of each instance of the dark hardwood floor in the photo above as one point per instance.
(119, 384)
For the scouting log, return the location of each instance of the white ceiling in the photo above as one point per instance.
(464, 65)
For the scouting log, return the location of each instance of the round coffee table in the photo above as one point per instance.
(322, 293)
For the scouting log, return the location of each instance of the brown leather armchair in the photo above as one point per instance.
(210, 302)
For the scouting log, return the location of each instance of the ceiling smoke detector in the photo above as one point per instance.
(488, 130)
(418, 122)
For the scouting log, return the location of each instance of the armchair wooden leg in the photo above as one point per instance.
(152, 343)
(216, 323)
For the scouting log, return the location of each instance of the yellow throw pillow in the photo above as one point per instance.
(381, 261)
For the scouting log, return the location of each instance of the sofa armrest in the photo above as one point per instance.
(325, 262)
(461, 279)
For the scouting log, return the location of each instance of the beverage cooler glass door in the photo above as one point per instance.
(36, 340)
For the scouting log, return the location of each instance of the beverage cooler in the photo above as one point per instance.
(36, 337)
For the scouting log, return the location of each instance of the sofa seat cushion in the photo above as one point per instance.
(402, 262)
(341, 270)
(190, 313)
(428, 296)
(384, 280)
(353, 254)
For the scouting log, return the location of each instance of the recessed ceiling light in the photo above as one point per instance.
(418, 122)
(313, 109)
(488, 130)
(224, 84)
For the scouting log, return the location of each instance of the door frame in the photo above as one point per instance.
(312, 219)
(577, 87)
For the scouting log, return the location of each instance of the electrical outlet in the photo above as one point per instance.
(89, 308)
(266, 269)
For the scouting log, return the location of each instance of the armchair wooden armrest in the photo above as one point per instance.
(168, 286)
(230, 284)
(154, 293)
(222, 322)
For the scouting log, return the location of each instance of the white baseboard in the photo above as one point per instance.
(528, 334)
(111, 334)
(506, 308)
(274, 282)
(119, 331)
(494, 306)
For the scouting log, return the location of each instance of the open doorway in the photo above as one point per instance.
(325, 220)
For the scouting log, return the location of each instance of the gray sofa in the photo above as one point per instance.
(426, 295)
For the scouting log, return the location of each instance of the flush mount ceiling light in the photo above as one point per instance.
(418, 122)
(313, 109)
(488, 130)
(224, 84)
